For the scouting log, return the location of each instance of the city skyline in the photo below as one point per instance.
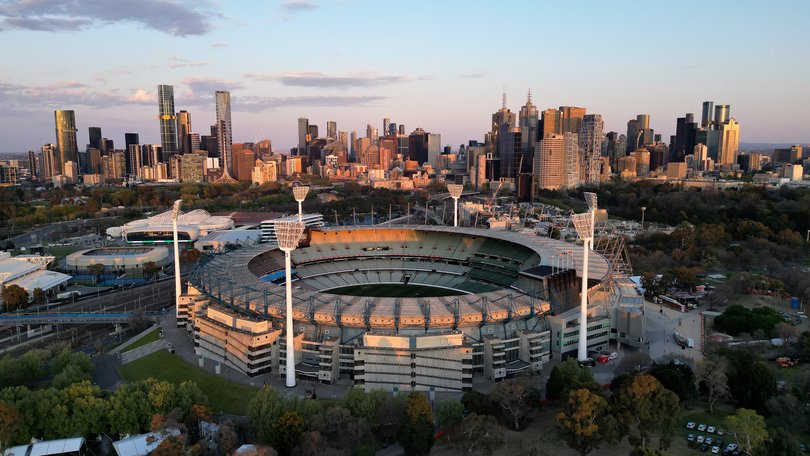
(448, 87)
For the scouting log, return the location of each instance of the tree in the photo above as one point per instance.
(39, 296)
(362, 404)
(449, 412)
(416, 435)
(287, 431)
(678, 378)
(15, 297)
(786, 332)
(586, 422)
(96, 269)
(478, 434)
(170, 446)
(748, 428)
(10, 421)
(263, 410)
(227, 438)
(513, 397)
(750, 382)
(782, 442)
(566, 376)
(344, 431)
(69, 375)
(189, 256)
(711, 373)
(643, 407)
(150, 269)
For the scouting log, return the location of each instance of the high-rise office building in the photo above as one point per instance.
(331, 129)
(243, 161)
(721, 114)
(573, 158)
(303, 131)
(418, 146)
(639, 132)
(134, 160)
(183, 130)
(529, 118)
(167, 120)
(131, 142)
(386, 125)
(503, 121)
(591, 134)
(685, 138)
(95, 137)
(434, 148)
(66, 146)
(312, 134)
(49, 161)
(224, 134)
(706, 119)
(728, 145)
(353, 146)
(571, 117)
(550, 123)
(371, 133)
(549, 163)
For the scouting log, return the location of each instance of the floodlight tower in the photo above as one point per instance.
(590, 198)
(175, 215)
(584, 226)
(455, 193)
(300, 194)
(288, 235)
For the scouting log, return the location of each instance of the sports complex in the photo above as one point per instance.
(407, 307)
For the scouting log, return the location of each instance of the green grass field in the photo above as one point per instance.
(394, 291)
(223, 396)
(150, 337)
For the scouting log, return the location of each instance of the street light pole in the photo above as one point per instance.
(288, 234)
(644, 211)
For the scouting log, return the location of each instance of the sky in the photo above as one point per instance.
(438, 65)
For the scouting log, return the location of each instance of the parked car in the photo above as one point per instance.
(708, 440)
(715, 449)
(731, 447)
(690, 425)
(711, 429)
(587, 362)
(704, 447)
(603, 359)
(690, 438)
(721, 432)
(701, 427)
(700, 439)
(613, 355)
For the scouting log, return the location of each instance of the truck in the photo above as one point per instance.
(69, 295)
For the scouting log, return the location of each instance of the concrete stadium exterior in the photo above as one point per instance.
(509, 286)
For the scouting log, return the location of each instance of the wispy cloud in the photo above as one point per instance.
(218, 44)
(175, 17)
(315, 79)
(179, 62)
(255, 103)
(208, 84)
(68, 94)
(299, 5)
(473, 75)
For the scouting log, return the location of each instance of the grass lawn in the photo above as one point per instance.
(150, 337)
(62, 251)
(223, 396)
(394, 291)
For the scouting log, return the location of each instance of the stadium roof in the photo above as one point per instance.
(42, 279)
(143, 444)
(48, 447)
(197, 218)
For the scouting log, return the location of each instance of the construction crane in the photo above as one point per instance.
(494, 194)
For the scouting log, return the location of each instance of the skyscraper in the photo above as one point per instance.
(303, 130)
(66, 147)
(95, 137)
(721, 115)
(183, 130)
(729, 142)
(706, 120)
(591, 134)
(331, 129)
(549, 163)
(133, 162)
(529, 119)
(167, 121)
(550, 123)
(224, 135)
(685, 138)
(571, 118)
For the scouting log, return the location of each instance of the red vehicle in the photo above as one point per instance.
(603, 358)
(785, 362)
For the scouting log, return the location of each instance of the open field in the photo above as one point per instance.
(394, 291)
(150, 337)
(223, 396)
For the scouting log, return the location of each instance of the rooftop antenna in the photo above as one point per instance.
(504, 96)
(530, 95)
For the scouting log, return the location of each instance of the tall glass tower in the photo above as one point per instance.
(66, 147)
(168, 121)
(224, 137)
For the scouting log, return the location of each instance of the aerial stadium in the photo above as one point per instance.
(406, 308)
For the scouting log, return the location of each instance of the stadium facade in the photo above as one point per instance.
(510, 297)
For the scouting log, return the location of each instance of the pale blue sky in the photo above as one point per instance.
(439, 65)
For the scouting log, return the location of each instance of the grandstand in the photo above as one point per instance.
(492, 316)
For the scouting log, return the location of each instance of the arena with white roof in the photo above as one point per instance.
(158, 228)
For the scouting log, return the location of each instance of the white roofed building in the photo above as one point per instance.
(29, 272)
(158, 228)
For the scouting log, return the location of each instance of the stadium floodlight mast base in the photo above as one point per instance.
(455, 193)
(175, 238)
(584, 226)
(288, 234)
(300, 194)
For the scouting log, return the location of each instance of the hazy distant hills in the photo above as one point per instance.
(767, 147)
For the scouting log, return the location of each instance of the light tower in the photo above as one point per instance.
(584, 226)
(455, 193)
(300, 194)
(590, 198)
(288, 235)
(175, 215)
